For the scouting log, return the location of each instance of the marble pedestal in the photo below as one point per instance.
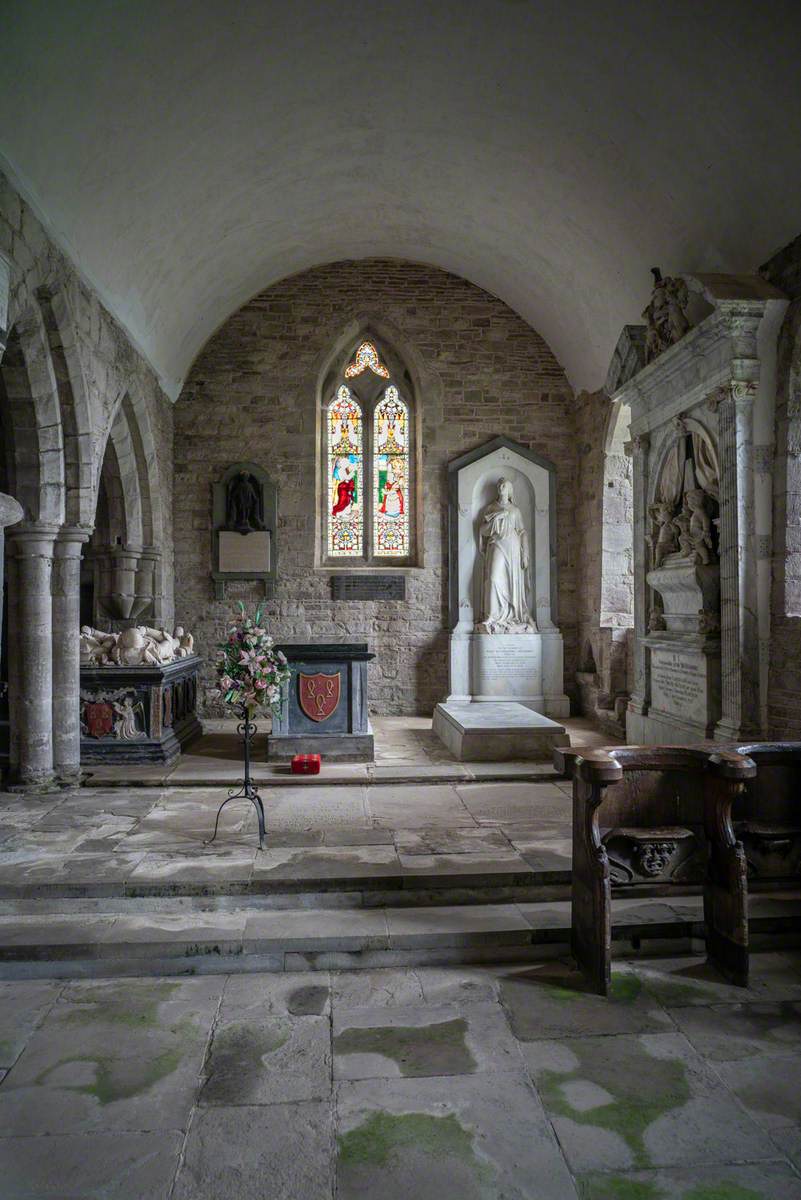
(340, 731)
(496, 732)
(518, 668)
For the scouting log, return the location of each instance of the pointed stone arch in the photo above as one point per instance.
(31, 421)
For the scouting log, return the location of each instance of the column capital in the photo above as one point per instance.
(31, 540)
(69, 540)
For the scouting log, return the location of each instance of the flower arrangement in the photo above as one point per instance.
(250, 671)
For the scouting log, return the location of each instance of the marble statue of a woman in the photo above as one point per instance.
(503, 543)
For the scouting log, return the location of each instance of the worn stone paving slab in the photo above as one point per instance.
(219, 866)
(254, 1152)
(450, 925)
(458, 985)
(463, 1137)
(625, 1102)
(357, 837)
(686, 980)
(327, 862)
(422, 1040)
(316, 808)
(499, 803)
(767, 1181)
(472, 868)
(350, 929)
(258, 1061)
(552, 1000)
(387, 988)
(451, 841)
(23, 1006)
(117, 1055)
(111, 1166)
(410, 806)
(150, 934)
(728, 1032)
(78, 869)
(285, 995)
(83, 929)
(767, 1088)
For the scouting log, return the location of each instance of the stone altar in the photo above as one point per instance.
(139, 714)
(324, 704)
(505, 648)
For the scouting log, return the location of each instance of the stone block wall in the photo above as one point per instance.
(605, 590)
(784, 687)
(252, 395)
(93, 365)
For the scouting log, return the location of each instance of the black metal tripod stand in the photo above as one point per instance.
(246, 790)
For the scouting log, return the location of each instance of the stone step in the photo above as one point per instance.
(80, 944)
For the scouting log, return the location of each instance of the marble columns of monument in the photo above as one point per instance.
(66, 652)
(31, 666)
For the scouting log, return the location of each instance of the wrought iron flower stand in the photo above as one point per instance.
(246, 790)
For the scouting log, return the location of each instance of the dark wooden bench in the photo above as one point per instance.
(649, 818)
(767, 816)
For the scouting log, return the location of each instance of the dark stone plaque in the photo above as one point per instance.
(368, 587)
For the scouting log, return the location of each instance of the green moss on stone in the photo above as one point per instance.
(133, 1006)
(384, 1136)
(643, 1091)
(438, 1049)
(722, 1191)
(617, 1187)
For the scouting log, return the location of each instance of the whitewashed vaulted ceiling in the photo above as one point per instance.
(187, 153)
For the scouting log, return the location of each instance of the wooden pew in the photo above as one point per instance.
(767, 816)
(652, 817)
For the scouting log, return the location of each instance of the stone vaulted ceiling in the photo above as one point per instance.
(188, 154)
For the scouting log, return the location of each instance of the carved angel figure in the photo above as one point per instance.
(664, 538)
(700, 525)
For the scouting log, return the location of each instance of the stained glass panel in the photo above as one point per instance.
(366, 356)
(391, 476)
(345, 505)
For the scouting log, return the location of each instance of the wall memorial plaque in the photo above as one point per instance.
(368, 587)
(244, 551)
(244, 520)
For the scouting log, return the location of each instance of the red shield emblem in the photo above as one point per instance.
(319, 695)
(99, 719)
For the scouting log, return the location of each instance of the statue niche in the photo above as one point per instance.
(504, 550)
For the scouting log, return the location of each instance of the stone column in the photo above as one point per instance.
(31, 641)
(640, 696)
(66, 653)
(739, 633)
(10, 513)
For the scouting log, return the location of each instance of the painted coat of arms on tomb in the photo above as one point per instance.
(99, 719)
(319, 695)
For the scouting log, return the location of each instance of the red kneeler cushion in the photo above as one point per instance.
(306, 764)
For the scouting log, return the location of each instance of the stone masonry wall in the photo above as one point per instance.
(605, 591)
(252, 395)
(784, 686)
(103, 364)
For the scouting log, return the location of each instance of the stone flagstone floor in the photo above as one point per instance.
(432, 1083)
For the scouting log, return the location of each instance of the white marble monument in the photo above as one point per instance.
(505, 649)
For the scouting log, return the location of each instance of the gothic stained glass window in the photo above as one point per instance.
(391, 476)
(366, 356)
(345, 479)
